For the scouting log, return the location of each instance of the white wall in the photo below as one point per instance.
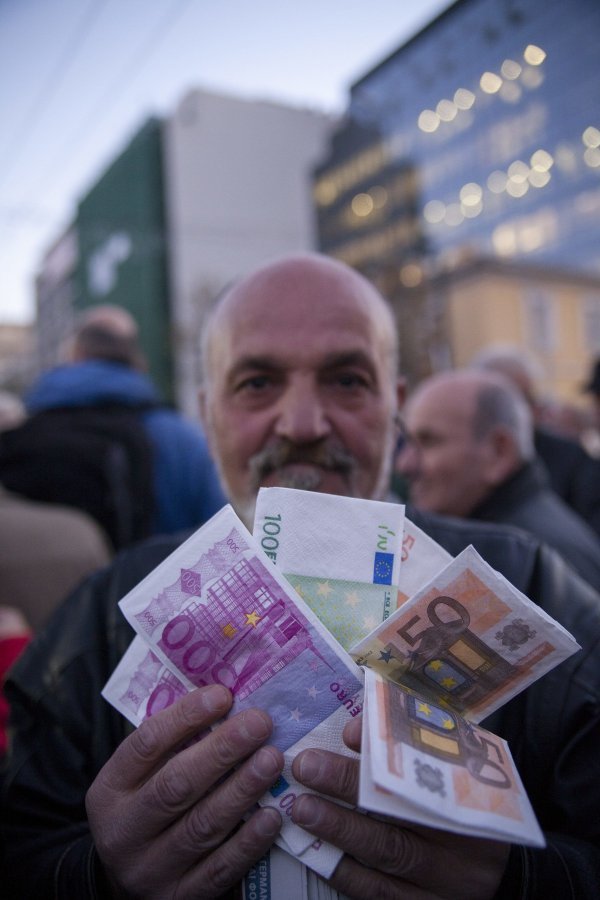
(238, 192)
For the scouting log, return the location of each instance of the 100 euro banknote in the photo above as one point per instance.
(217, 610)
(426, 764)
(341, 554)
(468, 640)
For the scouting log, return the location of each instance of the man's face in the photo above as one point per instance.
(446, 466)
(300, 392)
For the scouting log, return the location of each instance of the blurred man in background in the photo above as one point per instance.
(99, 437)
(574, 474)
(469, 452)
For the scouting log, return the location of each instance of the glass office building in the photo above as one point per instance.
(480, 137)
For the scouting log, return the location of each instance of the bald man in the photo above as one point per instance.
(469, 452)
(574, 474)
(300, 389)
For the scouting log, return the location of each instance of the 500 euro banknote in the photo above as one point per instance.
(217, 610)
(426, 764)
(468, 640)
(142, 685)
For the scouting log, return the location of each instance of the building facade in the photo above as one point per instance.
(478, 138)
(192, 202)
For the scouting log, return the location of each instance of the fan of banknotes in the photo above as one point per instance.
(336, 608)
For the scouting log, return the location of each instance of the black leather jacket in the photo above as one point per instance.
(527, 501)
(64, 731)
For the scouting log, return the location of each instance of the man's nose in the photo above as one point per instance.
(302, 417)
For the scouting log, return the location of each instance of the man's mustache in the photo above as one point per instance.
(324, 454)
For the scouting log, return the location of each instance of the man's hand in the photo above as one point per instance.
(386, 859)
(165, 820)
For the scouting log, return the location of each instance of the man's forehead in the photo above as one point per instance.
(310, 303)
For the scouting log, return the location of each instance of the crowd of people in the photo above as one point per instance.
(300, 389)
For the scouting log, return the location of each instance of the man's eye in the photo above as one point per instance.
(351, 380)
(255, 384)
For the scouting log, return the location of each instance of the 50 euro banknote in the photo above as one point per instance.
(468, 640)
(217, 610)
(425, 764)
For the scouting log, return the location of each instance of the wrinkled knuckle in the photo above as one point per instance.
(203, 830)
(347, 779)
(396, 854)
(189, 716)
(171, 788)
(144, 741)
(224, 749)
(218, 877)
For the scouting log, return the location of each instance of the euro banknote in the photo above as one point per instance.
(467, 640)
(341, 554)
(217, 610)
(420, 559)
(279, 875)
(425, 764)
(141, 685)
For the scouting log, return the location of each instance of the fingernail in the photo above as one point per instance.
(215, 697)
(255, 725)
(309, 766)
(268, 822)
(266, 763)
(307, 810)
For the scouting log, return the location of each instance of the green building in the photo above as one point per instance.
(122, 249)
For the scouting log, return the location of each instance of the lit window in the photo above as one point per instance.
(592, 157)
(446, 110)
(490, 83)
(434, 212)
(533, 55)
(538, 179)
(362, 205)
(470, 194)
(541, 161)
(411, 275)
(428, 121)
(497, 182)
(464, 99)
(518, 171)
(591, 137)
(510, 69)
(517, 188)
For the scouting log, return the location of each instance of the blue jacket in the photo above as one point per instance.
(187, 490)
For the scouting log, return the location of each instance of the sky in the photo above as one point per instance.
(79, 77)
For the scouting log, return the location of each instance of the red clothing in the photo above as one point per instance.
(10, 649)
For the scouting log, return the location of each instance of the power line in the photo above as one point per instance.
(50, 87)
(114, 91)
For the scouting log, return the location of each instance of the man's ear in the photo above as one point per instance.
(400, 391)
(503, 457)
(202, 405)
